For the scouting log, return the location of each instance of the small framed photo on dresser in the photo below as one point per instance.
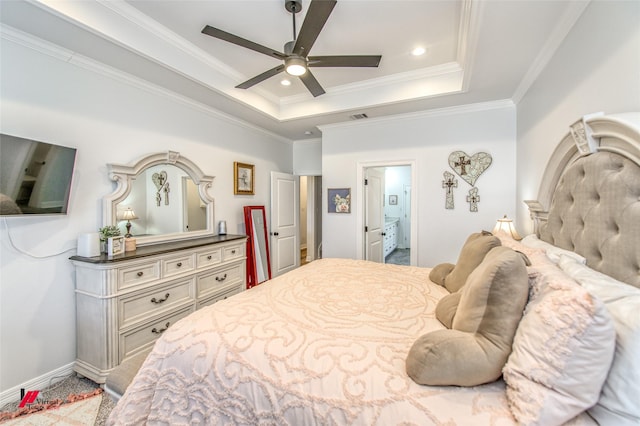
(115, 245)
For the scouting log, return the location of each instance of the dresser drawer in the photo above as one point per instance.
(233, 252)
(140, 307)
(141, 338)
(208, 283)
(141, 273)
(178, 265)
(208, 258)
(221, 296)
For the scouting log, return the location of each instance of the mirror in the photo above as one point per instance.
(258, 261)
(163, 197)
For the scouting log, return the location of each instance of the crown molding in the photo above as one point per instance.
(41, 46)
(470, 23)
(572, 13)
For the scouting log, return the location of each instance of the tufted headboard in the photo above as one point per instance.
(592, 189)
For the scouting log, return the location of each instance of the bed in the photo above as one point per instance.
(328, 343)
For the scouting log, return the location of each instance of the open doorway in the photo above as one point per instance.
(310, 218)
(387, 212)
(397, 214)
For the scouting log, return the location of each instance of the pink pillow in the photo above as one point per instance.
(562, 350)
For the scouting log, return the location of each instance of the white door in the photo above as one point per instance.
(285, 209)
(374, 214)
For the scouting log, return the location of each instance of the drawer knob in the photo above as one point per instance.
(209, 257)
(224, 277)
(162, 330)
(140, 273)
(159, 301)
(233, 252)
(179, 264)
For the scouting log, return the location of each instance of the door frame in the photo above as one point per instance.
(360, 208)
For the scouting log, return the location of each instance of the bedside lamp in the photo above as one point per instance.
(127, 215)
(505, 226)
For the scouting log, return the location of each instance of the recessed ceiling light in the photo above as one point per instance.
(308, 132)
(285, 82)
(418, 51)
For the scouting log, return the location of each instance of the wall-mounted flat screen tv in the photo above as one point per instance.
(35, 177)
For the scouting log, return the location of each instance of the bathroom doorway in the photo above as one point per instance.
(396, 202)
(397, 214)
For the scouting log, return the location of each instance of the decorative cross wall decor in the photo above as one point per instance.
(462, 164)
(477, 164)
(469, 168)
(162, 185)
(473, 199)
(449, 183)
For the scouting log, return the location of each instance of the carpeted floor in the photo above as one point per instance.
(72, 385)
(398, 257)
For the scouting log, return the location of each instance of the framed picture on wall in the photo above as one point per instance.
(339, 200)
(243, 179)
(393, 200)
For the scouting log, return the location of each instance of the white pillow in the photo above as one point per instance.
(553, 252)
(562, 351)
(619, 403)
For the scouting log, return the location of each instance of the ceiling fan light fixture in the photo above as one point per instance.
(295, 65)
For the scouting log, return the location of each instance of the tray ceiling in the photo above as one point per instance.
(476, 51)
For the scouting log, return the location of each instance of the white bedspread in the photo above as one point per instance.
(324, 344)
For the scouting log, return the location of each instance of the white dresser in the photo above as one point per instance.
(390, 241)
(125, 302)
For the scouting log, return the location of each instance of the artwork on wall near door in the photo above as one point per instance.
(469, 168)
(243, 181)
(393, 200)
(339, 200)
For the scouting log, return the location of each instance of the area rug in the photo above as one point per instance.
(76, 410)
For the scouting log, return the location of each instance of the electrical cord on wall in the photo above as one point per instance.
(19, 250)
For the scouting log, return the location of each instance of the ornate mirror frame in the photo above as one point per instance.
(124, 175)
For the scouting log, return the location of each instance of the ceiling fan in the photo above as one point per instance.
(296, 59)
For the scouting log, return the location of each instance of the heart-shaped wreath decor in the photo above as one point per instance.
(159, 179)
(469, 168)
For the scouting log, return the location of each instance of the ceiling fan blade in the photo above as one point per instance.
(231, 38)
(317, 15)
(261, 77)
(312, 84)
(344, 61)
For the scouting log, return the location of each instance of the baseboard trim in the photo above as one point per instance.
(13, 394)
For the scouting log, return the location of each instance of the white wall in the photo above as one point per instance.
(307, 157)
(427, 139)
(597, 68)
(108, 121)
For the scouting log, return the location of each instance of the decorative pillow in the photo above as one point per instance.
(553, 252)
(473, 252)
(619, 401)
(562, 351)
(526, 251)
(474, 351)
